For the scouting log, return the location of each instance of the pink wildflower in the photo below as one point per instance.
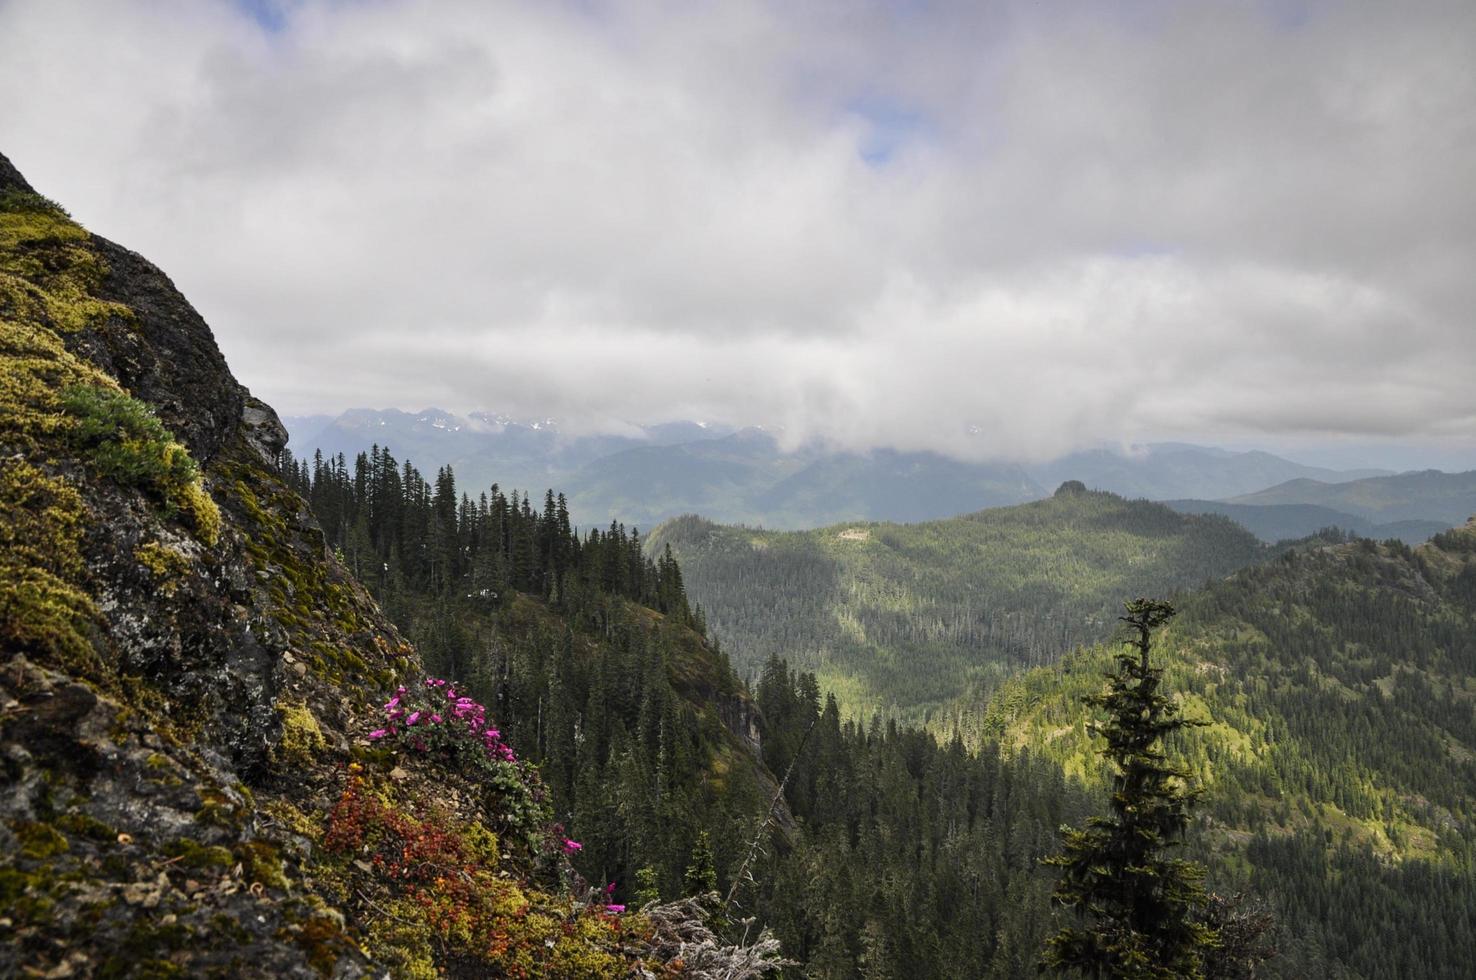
(436, 719)
(572, 846)
(414, 717)
(614, 908)
(378, 733)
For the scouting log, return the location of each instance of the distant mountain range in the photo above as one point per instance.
(1170, 471)
(1423, 495)
(660, 471)
(1279, 522)
(651, 473)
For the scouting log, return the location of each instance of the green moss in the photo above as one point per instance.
(39, 840)
(193, 854)
(26, 216)
(42, 607)
(286, 814)
(139, 969)
(48, 273)
(217, 810)
(80, 824)
(36, 366)
(195, 500)
(163, 771)
(223, 925)
(302, 739)
(306, 598)
(323, 940)
(262, 862)
(26, 895)
(404, 940)
(163, 562)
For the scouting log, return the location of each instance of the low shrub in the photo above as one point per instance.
(433, 719)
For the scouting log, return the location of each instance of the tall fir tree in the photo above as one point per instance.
(1139, 910)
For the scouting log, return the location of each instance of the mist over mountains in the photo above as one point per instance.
(648, 474)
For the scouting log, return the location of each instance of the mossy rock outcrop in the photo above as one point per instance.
(186, 673)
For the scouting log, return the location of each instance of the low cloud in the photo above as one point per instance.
(990, 230)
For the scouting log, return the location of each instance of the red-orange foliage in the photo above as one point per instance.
(447, 874)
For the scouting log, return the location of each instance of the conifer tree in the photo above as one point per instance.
(647, 890)
(701, 877)
(1138, 909)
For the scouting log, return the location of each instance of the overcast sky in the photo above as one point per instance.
(1054, 223)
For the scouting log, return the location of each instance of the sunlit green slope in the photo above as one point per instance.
(912, 616)
(1338, 687)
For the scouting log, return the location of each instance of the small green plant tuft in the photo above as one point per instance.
(125, 441)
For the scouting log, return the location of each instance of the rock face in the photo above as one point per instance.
(184, 664)
(741, 717)
(11, 179)
(188, 680)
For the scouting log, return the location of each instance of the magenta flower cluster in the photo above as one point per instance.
(448, 711)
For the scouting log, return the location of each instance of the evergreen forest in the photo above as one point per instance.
(1329, 689)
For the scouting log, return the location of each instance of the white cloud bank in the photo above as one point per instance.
(880, 225)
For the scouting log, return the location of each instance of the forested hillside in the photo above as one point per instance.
(886, 854)
(918, 859)
(1338, 759)
(1339, 683)
(583, 646)
(910, 617)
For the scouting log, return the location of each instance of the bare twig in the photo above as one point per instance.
(753, 845)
